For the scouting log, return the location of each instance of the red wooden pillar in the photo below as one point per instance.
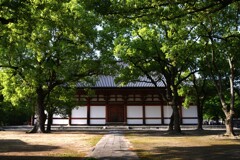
(107, 113)
(106, 98)
(88, 110)
(144, 110)
(144, 117)
(125, 98)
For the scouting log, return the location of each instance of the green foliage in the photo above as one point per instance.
(14, 115)
(15, 110)
(189, 95)
(15, 90)
(46, 44)
(237, 108)
(61, 100)
(170, 40)
(212, 109)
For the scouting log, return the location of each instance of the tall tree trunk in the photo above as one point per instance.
(170, 125)
(200, 118)
(229, 111)
(200, 115)
(32, 120)
(169, 99)
(175, 106)
(39, 126)
(229, 125)
(201, 95)
(49, 122)
(229, 118)
(177, 128)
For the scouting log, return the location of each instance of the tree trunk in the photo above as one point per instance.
(229, 127)
(169, 98)
(229, 117)
(170, 126)
(229, 124)
(177, 128)
(200, 116)
(39, 126)
(175, 106)
(229, 112)
(201, 95)
(49, 122)
(32, 120)
(200, 119)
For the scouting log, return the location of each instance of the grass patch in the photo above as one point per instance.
(63, 145)
(94, 140)
(191, 145)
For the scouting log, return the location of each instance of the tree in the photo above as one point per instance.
(60, 101)
(14, 115)
(220, 34)
(45, 44)
(197, 90)
(163, 10)
(154, 40)
(212, 109)
(161, 52)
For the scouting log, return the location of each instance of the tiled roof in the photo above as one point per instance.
(108, 81)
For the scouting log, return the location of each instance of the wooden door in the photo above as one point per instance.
(116, 114)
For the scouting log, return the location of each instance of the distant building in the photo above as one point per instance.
(137, 103)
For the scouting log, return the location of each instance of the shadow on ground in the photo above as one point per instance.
(38, 158)
(16, 145)
(219, 152)
(228, 150)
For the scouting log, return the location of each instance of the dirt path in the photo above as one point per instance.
(113, 146)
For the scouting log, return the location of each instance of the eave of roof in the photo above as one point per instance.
(108, 82)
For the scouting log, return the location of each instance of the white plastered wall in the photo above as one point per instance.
(152, 114)
(188, 114)
(167, 114)
(99, 115)
(135, 114)
(79, 112)
(59, 120)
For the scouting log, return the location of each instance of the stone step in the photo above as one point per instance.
(116, 127)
